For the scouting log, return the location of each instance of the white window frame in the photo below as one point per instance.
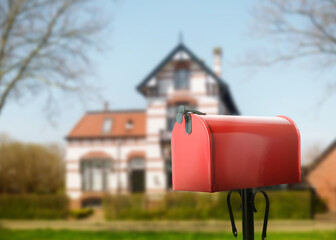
(107, 125)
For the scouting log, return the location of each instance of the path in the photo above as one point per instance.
(181, 226)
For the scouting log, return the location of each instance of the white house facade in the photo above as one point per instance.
(128, 151)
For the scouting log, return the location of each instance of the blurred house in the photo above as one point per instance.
(128, 151)
(321, 175)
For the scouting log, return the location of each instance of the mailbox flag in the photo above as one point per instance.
(220, 153)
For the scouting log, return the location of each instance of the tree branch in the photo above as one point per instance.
(13, 13)
(26, 62)
(45, 44)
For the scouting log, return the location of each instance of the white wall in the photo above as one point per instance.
(118, 177)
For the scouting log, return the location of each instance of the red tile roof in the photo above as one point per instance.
(91, 125)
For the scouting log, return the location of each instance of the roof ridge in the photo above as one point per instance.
(116, 111)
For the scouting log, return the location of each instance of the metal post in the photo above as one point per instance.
(247, 214)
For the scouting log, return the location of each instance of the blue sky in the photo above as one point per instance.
(143, 32)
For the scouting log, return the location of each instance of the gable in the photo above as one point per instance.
(181, 52)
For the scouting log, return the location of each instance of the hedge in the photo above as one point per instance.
(183, 206)
(33, 206)
(81, 213)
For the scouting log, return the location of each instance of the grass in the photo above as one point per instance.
(102, 235)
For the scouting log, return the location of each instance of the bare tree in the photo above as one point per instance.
(312, 152)
(46, 44)
(296, 29)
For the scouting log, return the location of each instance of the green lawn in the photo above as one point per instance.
(102, 235)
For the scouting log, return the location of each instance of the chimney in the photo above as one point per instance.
(218, 61)
(106, 107)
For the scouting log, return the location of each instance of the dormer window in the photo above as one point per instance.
(129, 125)
(107, 125)
(181, 78)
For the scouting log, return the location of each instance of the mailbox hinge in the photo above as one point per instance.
(183, 112)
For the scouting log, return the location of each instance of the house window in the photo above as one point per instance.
(129, 125)
(212, 89)
(107, 125)
(153, 91)
(181, 78)
(95, 174)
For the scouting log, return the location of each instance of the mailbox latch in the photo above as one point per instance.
(182, 111)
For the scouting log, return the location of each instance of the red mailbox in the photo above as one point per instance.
(213, 153)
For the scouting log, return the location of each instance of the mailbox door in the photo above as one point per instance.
(254, 151)
(192, 156)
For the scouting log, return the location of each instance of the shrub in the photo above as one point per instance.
(33, 206)
(126, 207)
(319, 204)
(182, 205)
(286, 205)
(190, 205)
(31, 168)
(80, 213)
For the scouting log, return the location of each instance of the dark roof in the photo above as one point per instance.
(224, 88)
(323, 156)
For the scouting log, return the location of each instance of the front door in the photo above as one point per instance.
(137, 181)
(137, 175)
